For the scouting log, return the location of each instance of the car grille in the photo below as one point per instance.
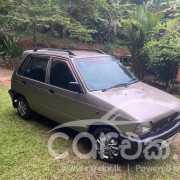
(164, 122)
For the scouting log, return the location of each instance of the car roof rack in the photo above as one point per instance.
(84, 49)
(53, 49)
(69, 50)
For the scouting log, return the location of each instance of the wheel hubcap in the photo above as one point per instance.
(22, 108)
(107, 147)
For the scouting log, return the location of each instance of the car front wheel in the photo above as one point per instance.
(107, 145)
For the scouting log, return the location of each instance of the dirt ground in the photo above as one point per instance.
(5, 76)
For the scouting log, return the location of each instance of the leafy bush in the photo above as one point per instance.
(10, 48)
(164, 56)
(139, 30)
(77, 31)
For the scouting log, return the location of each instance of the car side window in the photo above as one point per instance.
(23, 65)
(36, 68)
(61, 75)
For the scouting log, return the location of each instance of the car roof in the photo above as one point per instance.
(69, 53)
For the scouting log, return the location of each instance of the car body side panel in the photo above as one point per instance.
(65, 106)
(110, 115)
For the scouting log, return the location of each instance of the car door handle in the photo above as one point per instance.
(23, 82)
(51, 91)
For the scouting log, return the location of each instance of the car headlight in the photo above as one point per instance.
(143, 128)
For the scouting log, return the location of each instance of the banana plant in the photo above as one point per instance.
(10, 47)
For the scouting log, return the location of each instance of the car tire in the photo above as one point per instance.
(23, 108)
(107, 142)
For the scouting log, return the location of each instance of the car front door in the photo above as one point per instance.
(63, 104)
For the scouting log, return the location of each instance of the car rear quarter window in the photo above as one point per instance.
(23, 65)
(36, 68)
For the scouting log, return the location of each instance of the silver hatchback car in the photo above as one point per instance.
(97, 94)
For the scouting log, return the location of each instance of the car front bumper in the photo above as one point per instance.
(151, 140)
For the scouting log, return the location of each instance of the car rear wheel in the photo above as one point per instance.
(23, 108)
(107, 146)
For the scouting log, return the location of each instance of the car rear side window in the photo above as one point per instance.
(61, 75)
(23, 65)
(36, 68)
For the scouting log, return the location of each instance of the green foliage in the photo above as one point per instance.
(83, 20)
(139, 30)
(109, 22)
(44, 15)
(81, 33)
(164, 56)
(10, 48)
(148, 20)
(160, 5)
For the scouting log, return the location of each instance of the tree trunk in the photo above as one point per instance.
(34, 34)
(138, 66)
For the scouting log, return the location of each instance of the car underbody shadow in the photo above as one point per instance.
(50, 124)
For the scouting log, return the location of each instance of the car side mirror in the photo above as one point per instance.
(75, 86)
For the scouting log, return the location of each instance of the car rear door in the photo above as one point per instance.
(33, 83)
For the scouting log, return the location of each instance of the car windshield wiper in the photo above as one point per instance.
(118, 85)
(134, 80)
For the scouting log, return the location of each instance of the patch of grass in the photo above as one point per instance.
(24, 153)
(178, 96)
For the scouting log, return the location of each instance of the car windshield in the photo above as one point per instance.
(101, 73)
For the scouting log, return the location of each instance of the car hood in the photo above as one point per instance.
(141, 102)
